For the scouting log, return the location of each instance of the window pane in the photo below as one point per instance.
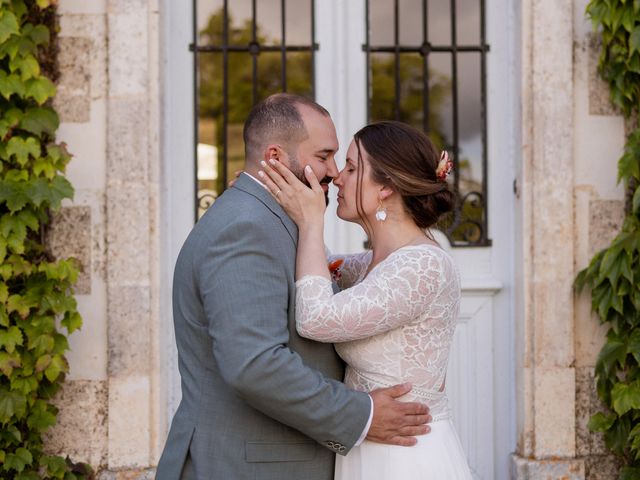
(382, 87)
(411, 90)
(468, 22)
(269, 21)
(209, 128)
(381, 20)
(220, 144)
(299, 73)
(240, 22)
(410, 22)
(298, 22)
(470, 155)
(440, 100)
(439, 19)
(269, 74)
(207, 9)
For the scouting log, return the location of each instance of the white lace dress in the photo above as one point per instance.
(394, 326)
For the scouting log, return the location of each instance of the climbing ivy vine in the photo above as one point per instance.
(613, 276)
(37, 305)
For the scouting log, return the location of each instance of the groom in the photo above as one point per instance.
(258, 401)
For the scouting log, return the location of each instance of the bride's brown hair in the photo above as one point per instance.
(405, 160)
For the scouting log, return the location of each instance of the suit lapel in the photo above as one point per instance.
(250, 186)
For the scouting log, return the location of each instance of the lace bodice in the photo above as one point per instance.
(395, 325)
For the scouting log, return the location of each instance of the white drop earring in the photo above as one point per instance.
(381, 212)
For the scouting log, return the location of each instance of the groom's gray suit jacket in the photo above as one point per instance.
(258, 401)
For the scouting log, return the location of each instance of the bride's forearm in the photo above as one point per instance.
(311, 257)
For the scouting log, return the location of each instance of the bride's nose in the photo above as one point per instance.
(337, 179)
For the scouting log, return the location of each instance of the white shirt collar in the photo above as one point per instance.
(256, 180)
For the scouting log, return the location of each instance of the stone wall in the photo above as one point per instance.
(572, 138)
(108, 100)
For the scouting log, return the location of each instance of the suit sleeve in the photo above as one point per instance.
(244, 289)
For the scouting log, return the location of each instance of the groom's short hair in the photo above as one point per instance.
(276, 119)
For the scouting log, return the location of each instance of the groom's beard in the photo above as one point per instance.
(294, 166)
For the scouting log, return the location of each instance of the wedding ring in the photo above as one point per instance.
(278, 192)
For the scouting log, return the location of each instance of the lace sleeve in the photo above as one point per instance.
(347, 269)
(396, 292)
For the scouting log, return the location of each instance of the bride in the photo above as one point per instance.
(394, 318)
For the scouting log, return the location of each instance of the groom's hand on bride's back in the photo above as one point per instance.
(395, 422)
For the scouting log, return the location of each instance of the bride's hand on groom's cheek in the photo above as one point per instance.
(395, 422)
(303, 204)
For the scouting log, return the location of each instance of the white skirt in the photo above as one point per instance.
(438, 455)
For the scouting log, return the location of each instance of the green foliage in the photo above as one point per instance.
(613, 276)
(36, 298)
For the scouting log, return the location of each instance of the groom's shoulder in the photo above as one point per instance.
(235, 210)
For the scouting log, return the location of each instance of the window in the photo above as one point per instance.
(245, 51)
(426, 66)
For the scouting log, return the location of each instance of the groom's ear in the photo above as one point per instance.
(273, 152)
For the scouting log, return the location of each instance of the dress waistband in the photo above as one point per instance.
(437, 401)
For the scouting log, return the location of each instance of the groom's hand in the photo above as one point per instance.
(395, 422)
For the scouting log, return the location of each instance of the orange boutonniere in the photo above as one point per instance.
(334, 269)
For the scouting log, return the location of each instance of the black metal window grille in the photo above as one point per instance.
(224, 60)
(395, 65)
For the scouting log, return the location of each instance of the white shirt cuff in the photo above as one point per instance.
(367, 427)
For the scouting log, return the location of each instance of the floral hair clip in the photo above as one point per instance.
(444, 167)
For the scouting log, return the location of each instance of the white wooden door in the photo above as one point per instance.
(480, 380)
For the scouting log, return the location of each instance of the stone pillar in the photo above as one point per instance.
(546, 408)
(129, 237)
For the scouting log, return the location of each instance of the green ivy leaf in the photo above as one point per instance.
(10, 84)
(41, 419)
(28, 67)
(617, 436)
(11, 404)
(61, 344)
(19, 460)
(19, 304)
(24, 385)
(56, 466)
(38, 120)
(4, 316)
(52, 192)
(9, 361)
(10, 338)
(21, 149)
(39, 34)
(601, 422)
(44, 3)
(634, 344)
(43, 362)
(11, 434)
(8, 25)
(40, 89)
(72, 321)
(57, 366)
(625, 397)
(41, 344)
(614, 352)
